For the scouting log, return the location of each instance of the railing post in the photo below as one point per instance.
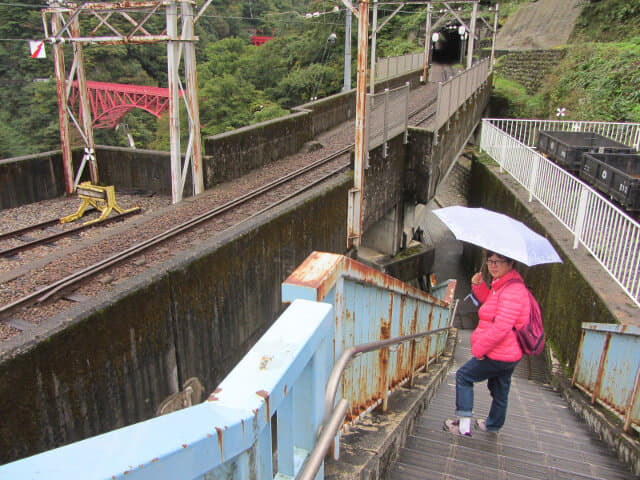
(578, 359)
(412, 362)
(582, 213)
(406, 114)
(603, 360)
(385, 119)
(534, 175)
(633, 398)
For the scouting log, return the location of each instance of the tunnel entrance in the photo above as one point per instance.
(448, 45)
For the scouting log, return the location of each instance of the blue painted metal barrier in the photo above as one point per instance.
(608, 369)
(263, 419)
(371, 306)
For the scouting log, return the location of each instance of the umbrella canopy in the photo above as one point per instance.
(498, 233)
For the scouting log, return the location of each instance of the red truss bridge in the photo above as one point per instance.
(110, 102)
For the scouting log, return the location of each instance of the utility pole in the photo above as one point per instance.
(472, 35)
(58, 58)
(493, 40)
(427, 43)
(372, 81)
(354, 219)
(347, 52)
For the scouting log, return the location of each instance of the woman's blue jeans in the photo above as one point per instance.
(498, 376)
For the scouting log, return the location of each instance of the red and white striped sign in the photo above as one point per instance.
(37, 49)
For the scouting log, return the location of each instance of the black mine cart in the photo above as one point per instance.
(566, 148)
(617, 175)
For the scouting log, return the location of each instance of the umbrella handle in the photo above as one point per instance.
(484, 271)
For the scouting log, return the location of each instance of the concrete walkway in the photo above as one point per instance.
(542, 438)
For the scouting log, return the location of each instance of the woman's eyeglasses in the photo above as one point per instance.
(495, 263)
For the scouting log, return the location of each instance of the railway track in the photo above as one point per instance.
(26, 244)
(57, 288)
(30, 295)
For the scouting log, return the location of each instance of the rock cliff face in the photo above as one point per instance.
(539, 25)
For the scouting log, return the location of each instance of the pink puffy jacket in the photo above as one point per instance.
(503, 307)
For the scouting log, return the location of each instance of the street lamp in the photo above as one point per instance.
(463, 37)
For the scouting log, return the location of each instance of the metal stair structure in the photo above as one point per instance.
(542, 438)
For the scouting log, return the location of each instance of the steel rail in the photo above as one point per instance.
(333, 416)
(56, 236)
(46, 292)
(21, 231)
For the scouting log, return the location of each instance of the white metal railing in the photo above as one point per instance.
(393, 66)
(455, 91)
(527, 131)
(609, 234)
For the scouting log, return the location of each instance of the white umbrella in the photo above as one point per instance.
(498, 233)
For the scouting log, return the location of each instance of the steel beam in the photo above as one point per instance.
(58, 57)
(173, 60)
(192, 98)
(85, 109)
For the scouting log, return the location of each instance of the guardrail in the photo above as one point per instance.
(334, 416)
(609, 234)
(608, 369)
(458, 89)
(263, 420)
(393, 66)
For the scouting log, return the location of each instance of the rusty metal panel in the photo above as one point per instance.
(621, 370)
(371, 306)
(371, 313)
(587, 366)
(608, 369)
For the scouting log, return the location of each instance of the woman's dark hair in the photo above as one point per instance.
(489, 253)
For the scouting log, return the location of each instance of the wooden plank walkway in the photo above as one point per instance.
(542, 438)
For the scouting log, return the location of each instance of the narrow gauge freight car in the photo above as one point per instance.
(566, 148)
(616, 175)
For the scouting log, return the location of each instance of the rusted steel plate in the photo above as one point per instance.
(609, 366)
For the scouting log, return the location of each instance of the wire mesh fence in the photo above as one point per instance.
(457, 90)
(393, 66)
(387, 116)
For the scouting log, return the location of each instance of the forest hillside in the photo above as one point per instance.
(240, 84)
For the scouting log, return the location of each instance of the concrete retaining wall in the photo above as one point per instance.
(30, 179)
(113, 360)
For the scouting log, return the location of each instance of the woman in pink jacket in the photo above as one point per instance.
(494, 346)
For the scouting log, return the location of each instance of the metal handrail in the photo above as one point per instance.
(333, 417)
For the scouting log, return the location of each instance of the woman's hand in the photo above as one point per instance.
(477, 279)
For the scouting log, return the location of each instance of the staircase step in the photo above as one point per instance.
(541, 439)
(506, 457)
(402, 471)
